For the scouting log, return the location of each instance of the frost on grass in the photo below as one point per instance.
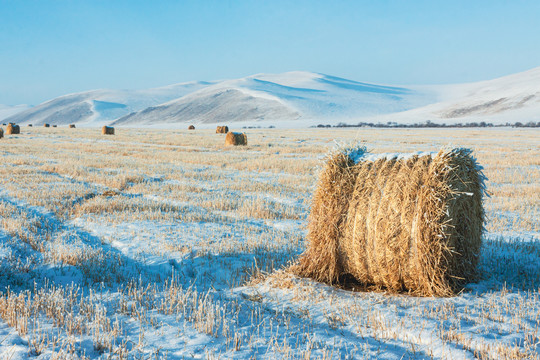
(171, 246)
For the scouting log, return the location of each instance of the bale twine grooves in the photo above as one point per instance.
(234, 138)
(411, 224)
(107, 130)
(13, 129)
(222, 129)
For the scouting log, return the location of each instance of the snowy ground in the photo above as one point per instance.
(166, 244)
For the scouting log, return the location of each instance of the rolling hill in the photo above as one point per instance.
(510, 99)
(299, 97)
(7, 110)
(97, 107)
(296, 99)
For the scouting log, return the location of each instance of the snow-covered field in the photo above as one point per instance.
(166, 244)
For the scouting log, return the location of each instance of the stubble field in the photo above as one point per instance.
(167, 244)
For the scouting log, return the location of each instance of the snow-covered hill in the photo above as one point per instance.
(510, 98)
(8, 110)
(296, 99)
(301, 97)
(99, 107)
(213, 105)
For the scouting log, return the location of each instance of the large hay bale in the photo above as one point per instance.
(191, 127)
(107, 130)
(72, 126)
(46, 125)
(222, 129)
(1, 133)
(13, 129)
(234, 138)
(408, 224)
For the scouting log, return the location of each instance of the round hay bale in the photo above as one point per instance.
(46, 125)
(222, 129)
(13, 129)
(107, 130)
(30, 125)
(72, 126)
(54, 126)
(191, 127)
(411, 224)
(1, 133)
(233, 138)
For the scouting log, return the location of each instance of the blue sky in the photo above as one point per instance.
(50, 48)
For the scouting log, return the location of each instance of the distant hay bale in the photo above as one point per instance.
(107, 130)
(72, 126)
(46, 125)
(191, 127)
(222, 129)
(13, 129)
(410, 224)
(29, 125)
(54, 126)
(110, 193)
(233, 138)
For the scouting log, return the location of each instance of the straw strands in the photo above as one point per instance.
(411, 224)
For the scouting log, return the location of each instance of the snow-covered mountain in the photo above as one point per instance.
(99, 107)
(296, 99)
(8, 110)
(292, 96)
(510, 99)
